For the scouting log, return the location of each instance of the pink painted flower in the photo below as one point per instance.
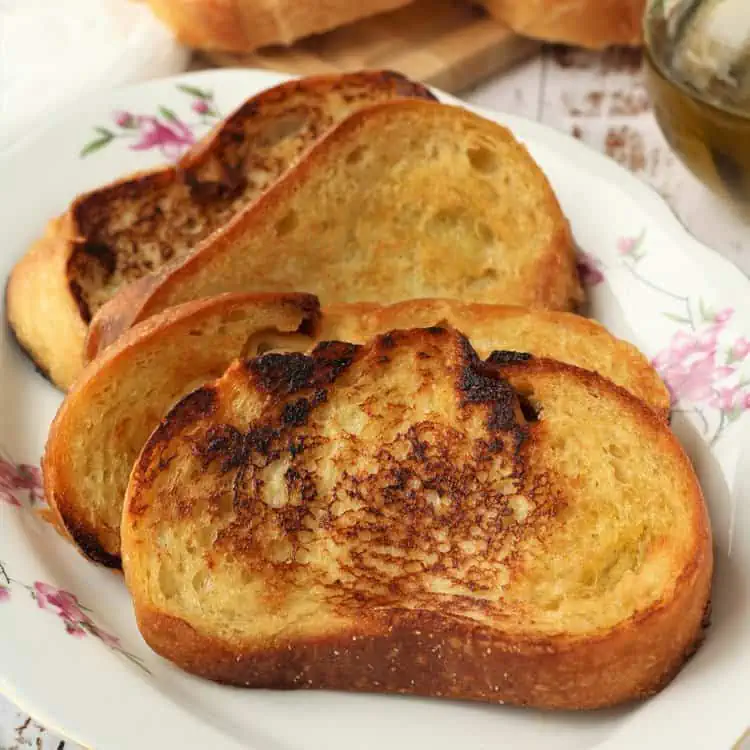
(65, 603)
(4, 593)
(589, 269)
(75, 630)
(125, 119)
(746, 400)
(171, 139)
(7, 497)
(68, 608)
(200, 107)
(723, 315)
(627, 245)
(727, 399)
(689, 367)
(741, 348)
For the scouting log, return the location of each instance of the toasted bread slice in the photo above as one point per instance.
(133, 227)
(403, 199)
(401, 517)
(107, 416)
(161, 351)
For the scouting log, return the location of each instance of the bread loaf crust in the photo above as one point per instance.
(245, 25)
(587, 23)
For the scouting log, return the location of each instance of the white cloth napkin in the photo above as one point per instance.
(52, 52)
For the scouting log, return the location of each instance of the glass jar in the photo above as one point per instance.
(697, 62)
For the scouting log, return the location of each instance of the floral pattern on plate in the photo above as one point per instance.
(17, 480)
(170, 134)
(704, 361)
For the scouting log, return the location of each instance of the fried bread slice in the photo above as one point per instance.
(192, 343)
(119, 233)
(403, 199)
(119, 399)
(402, 517)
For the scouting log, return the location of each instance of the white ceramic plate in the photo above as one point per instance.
(70, 653)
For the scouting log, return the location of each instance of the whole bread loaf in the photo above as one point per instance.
(245, 25)
(586, 23)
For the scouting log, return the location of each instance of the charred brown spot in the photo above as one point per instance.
(477, 386)
(295, 413)
(504, 357)
(283, 373)
(90, 545)
(225, 443)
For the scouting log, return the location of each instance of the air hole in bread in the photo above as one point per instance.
(615, 450)
(199, 580)
(445, 220)
(286, 223)
(485, 233)
(205, 536)
(168, 582)
(280, 551)
(235, 316)
(530, 408)
(196, 332)
(355, 155)
(247, 576)
(482, 159)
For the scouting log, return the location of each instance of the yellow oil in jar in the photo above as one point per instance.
(713, 143)
(709, 129)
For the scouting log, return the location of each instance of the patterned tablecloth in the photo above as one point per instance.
(601, 99)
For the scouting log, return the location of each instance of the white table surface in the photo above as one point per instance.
(601, 99)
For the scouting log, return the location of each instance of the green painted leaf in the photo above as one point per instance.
(95, 145)
(734, 414)
(167, 114)
(195, 91)
(706, 312)
(676, 318)
(104, 133)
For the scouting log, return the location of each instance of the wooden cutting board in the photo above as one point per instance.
(445, 43)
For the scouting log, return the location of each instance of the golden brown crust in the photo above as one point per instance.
(421, 653)
(41, 311)
(81, 427)
(587, 23)
(549, 280)
(158, 216)
(417, 649)
(563, 336)
(245, 25)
